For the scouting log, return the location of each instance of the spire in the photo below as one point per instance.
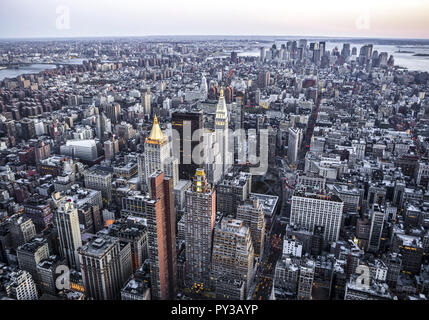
(156, 134)
(200, 181)
(221, 110)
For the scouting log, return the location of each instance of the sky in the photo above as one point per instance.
(331, 18)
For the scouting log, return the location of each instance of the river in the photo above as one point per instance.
(33, 69)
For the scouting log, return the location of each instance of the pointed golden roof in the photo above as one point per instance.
(221, 110)
(156, 134)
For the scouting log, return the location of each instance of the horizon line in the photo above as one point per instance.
(211, 35)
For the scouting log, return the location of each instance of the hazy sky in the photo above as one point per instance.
(87, 18)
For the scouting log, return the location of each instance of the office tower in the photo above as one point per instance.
(322, 48)
(383, 58)
(102, 125)
(46, 270)
(100, 180)
(147, 103)
(310, 210)
(411, 250)
(111, 147)
(21, 230)
(113, 112)
(67, 223)
(234, 57)
(377, 222)
(90, 218)
(263, 79)
(252, 215)
(305, 280)
(157, 155)
(135, 233)
(100, 262)
(30, 254)
(21, 286)
(231, 191)
(262, 53)
(85, 150)
(213, 158)
(204, 88)
(294, 142)
(317, 56)
(184, 125)
(345, 52)
(200, 215)
(161, 224)
(222, 136)
(232, 258)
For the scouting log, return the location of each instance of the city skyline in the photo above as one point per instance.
(72, 19)
(209, 167)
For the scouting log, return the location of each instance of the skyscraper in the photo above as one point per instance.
(30, 254)
(100, 262)
(161, 226)
(147, 103)
(67, 223)
(310, 210)
(204, 88)
(294, 141)
(232, 262)
(377, 221)
(185, 124)
(222, 137)
(252, 215)
(157, 155)
(200, 215)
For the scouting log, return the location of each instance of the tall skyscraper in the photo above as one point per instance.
(186, 124)
(310, 210)
(161, 224)
(232, 262)
(263, 79)
(294, 141)
(147, 103)
(221, 129)
(200, 215)
(100, 262)
(262, 53)
(204, 88)
(252, 215)
(377, 221)
(66, 220)
(157, 155)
